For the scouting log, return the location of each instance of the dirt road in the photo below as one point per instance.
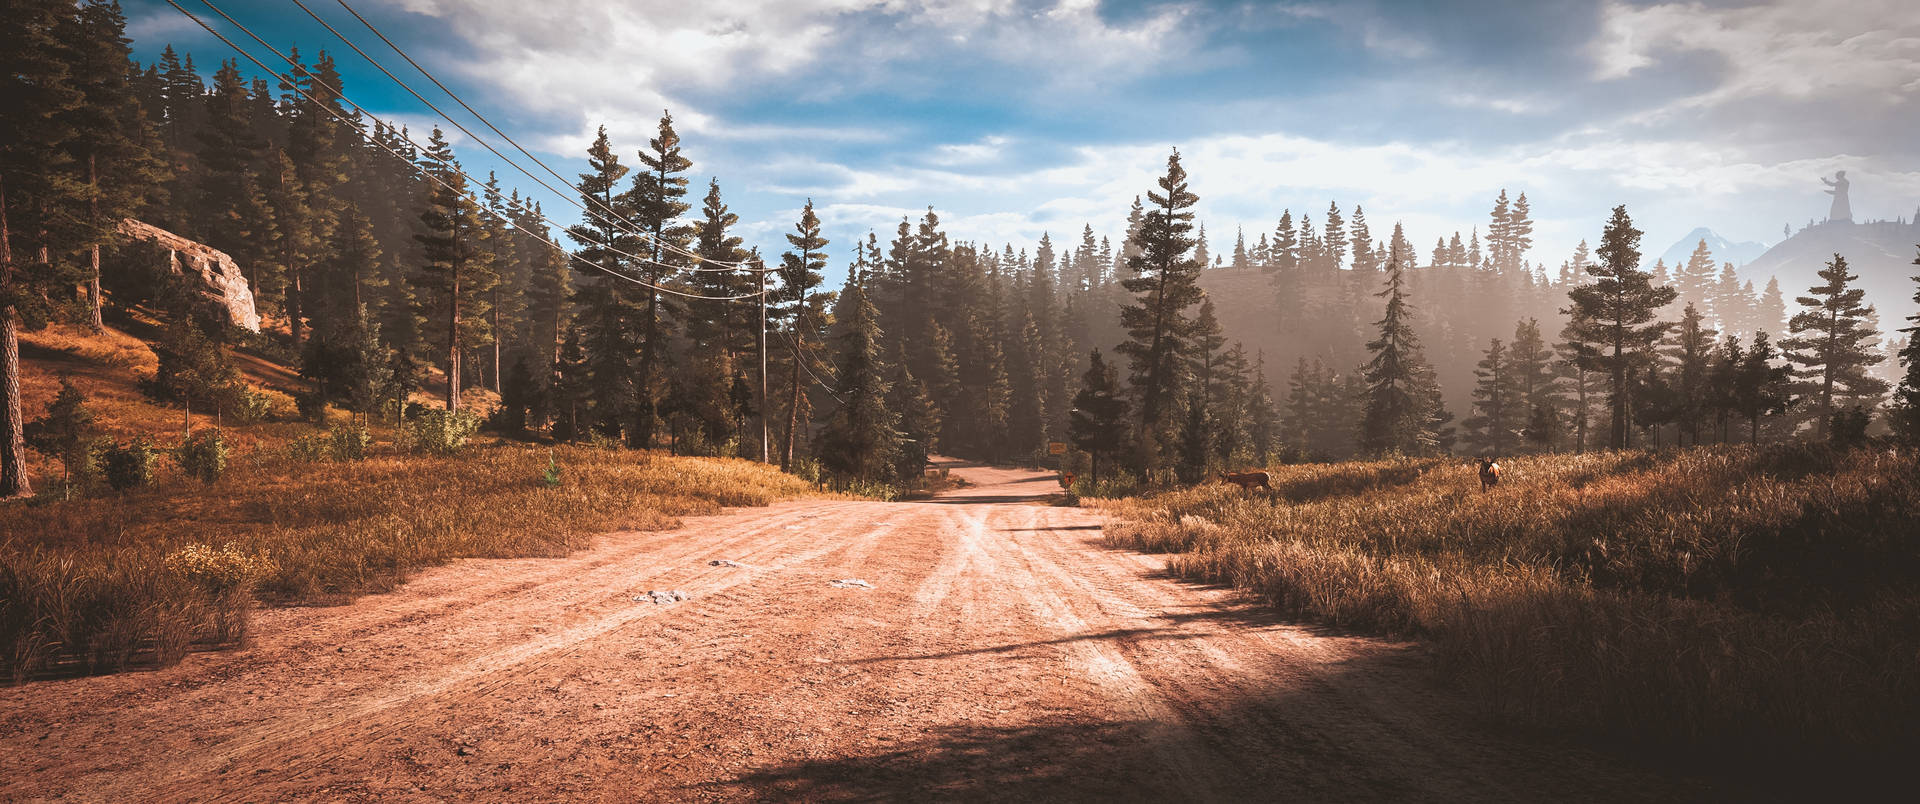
(1001, 653)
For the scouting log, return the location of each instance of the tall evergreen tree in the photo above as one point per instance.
(1534, 382)
(113, 147)
(1612, 319)
(1498, 414)
(1761, 387)
(36, 98)
(456, 277)
(1398, 416)
(862, 440)
(606, 303)
(800, 273)
(719, 332)
(1904, 413)
(1165, 285)
(657, 190)
(1692, 356)
(1097, 424)
(1832, 344)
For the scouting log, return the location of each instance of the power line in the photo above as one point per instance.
(617, 217)
(630, 227)
(389, 149)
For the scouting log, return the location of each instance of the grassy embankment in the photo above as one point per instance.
(1739, 605)
(143, 576)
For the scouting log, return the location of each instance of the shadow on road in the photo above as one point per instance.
(1361, 730)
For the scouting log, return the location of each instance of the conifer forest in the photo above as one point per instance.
(266, 342)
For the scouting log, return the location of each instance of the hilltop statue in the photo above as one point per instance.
(1841, 211)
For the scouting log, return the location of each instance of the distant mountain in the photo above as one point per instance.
(1881, 253)
(1723, 250)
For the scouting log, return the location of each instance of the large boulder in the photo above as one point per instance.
(211, 271)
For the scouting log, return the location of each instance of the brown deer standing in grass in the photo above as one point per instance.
(1489, 474)
(1246, 480)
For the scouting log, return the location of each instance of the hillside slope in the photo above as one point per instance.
(1881, 252)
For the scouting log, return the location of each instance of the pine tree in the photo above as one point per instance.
(66, 434)
(230, 199)
(1365, 258)
(657, 190)
(371, 380)
(1496, 401)
(456, 277)
(1832, 344)
(1398, 416)
(1695, 282)
(1531, 362)
(800, 273)
(719, 332)
(1771, 313)
(1904, 413)
(1241, 259)
(1204, 359)
(1692, 355)
(907, 398)
(1761, 388)
(112, 148)
(1612, 319)
(36, 98)
(606, 303)
(1284, 250)
(1335, 238)
(1097, 425)
(1164, 282)
(862, 440)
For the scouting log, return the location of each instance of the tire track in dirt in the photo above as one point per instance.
(373, 719)
(1002, 653)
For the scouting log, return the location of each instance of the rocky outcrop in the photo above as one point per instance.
(211, 271)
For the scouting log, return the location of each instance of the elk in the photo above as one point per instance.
(1246, 480)
(1489, 474)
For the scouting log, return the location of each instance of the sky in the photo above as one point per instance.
(1012, 119)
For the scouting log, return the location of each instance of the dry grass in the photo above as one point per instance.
(1746, 604)
(87, 585)
(97, 584)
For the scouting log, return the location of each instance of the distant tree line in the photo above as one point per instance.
(383, 271)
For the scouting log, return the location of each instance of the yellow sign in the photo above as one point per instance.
(1056, 447)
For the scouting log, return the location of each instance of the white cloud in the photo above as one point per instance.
(1796, 50)
(163, 26)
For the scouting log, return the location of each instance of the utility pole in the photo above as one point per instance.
(760, 272)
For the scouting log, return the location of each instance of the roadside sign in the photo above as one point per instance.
(1056, 447)
(1066, 480)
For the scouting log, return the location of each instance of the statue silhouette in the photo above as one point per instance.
(1841, 211)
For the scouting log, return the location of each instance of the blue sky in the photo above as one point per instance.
(1015, 118)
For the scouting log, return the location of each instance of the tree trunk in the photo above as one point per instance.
(93, 217)
(453, 343)
(495, 312)
(793, 403)
(13, 442)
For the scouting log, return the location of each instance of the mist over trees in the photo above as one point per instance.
(383, 269)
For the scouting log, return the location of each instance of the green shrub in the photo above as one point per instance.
(441, 432)
(551, 477)
(249, 406)
(203, 454)
(308, 448)
(349, 442)
(126, 466)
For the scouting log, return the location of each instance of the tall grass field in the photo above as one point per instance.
(1744, 605)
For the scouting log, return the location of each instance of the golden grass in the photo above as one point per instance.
(324, 532)
(1738, 602)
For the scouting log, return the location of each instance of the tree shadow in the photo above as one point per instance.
(1338, 734)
